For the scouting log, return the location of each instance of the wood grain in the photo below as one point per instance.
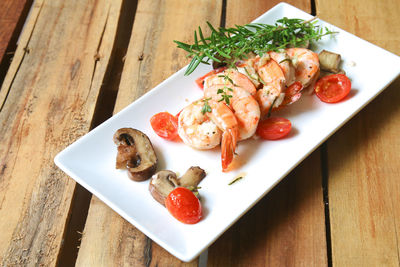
(363, 157)
(151, 58)
(47, 102)
(287, 227)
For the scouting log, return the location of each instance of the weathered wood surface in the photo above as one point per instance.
(363, 157)
(287, 227)
(47, 101)
(151, 58)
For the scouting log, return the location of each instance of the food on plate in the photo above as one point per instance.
(292, 94)
(240, 98)
(329, 61)
(135, 154)
(258, 69)
(178, 194)
(204, 124)
(306, 64)
(227, 46)
(165, 125)
(333, 88)
(274, 128)
(240, 177)
(164, 182)
(236, 91)
(200, 81)
(184, 205)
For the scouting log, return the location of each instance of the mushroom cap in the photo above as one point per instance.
(140, 159)
(161, 184)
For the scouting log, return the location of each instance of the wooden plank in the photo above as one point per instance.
(363, 157)
(52, 86)
(151, 58)
(287, 227)
(10, 12)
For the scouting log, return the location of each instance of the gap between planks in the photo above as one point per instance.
(324, 182)
(103, 110)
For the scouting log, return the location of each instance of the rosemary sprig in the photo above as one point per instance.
(228, 45)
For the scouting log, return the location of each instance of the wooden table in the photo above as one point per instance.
(78, 61)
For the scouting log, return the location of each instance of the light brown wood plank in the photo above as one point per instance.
(287, 227)
(364, 156)
(52, 84)
(151, 58)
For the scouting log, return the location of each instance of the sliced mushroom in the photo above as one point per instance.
(135, 153)
(161, 185)
(192, 177)
(163, 182)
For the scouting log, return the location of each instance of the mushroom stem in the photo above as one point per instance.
(163, 182)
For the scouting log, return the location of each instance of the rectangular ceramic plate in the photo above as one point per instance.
(91, 159)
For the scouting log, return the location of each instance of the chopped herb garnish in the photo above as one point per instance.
(206, 107)
(235, 180)
(271, 107)
(227, 79)
(224, 96)
(228, 45)
(283, 60)
(224, 91)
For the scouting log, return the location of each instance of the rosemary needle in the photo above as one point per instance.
(235, 180)
(228, 45)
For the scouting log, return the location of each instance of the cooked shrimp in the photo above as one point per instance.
(272, 92)
(242, 103)
(306, 64)
(196, 129)
(209, 129)
(247, 67)
(227, 77)
(283, 59)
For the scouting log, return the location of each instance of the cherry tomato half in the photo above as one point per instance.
(200, 80)
(333, 88)
(184, 205)
(274, 128)
(165, 125)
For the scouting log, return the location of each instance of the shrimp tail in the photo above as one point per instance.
(228, 147)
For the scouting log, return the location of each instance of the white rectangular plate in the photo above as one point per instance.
(91, 159)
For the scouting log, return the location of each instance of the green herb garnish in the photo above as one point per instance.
(235, 180)
(224, 91)
(227, 79)
(206, 107)
(228, 45)
(271, 107)
(224, 96)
